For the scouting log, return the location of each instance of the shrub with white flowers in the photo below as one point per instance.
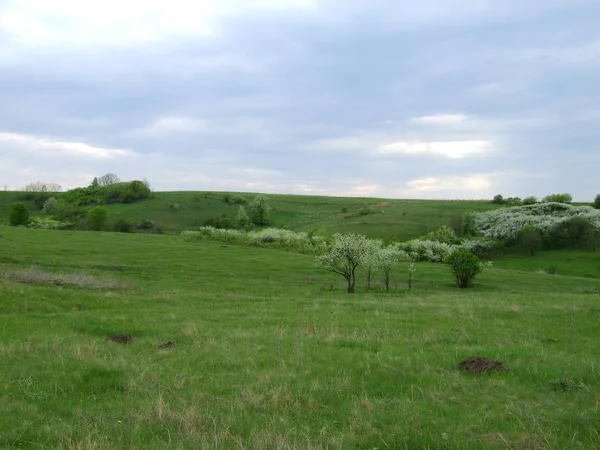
(45, 223)
(507, 223)
(345, 254)
(267, 237)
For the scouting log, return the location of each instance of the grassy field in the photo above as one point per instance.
(270, 352)
(400, 219)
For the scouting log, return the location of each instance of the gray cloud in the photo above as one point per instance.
(305, 100)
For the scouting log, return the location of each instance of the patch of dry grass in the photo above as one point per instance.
(35, 275)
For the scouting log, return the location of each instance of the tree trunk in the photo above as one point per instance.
(350, 281)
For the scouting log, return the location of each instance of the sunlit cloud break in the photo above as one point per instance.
(446, 149)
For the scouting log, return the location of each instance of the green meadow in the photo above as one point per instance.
(243, 347)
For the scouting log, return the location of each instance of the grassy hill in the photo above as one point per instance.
(385, 218)
(239, 347)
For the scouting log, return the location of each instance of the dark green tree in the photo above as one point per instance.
(498, 200)
(97, 218)
(18, 215)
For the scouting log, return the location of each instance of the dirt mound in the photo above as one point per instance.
(478, 365)
(120, 338)
(166, 345)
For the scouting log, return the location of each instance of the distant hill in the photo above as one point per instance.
(374, 217)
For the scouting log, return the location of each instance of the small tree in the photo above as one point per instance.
(18, 215)
(97, 218)
(596, 203)
(498, 199)
(531, 200)
(261, 210)
(465, 266)
(345, 254)
(387, 259)
(50, 206)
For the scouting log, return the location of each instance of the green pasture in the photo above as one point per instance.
(270, 352)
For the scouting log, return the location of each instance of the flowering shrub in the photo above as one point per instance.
(478, 245)
(44, 223)
(444, 234)
(345, 254)
(268, 237)
(425, 250)
(311, 243)
(507, 223)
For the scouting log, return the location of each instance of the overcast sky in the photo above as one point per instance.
(387, 98)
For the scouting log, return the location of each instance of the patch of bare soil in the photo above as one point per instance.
(120, 338)
(478, 365)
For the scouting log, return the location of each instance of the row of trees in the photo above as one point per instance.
(349, 251)
(499, 199)
(71, 208)
(532, 200)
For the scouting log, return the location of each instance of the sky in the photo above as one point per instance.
(446, 99)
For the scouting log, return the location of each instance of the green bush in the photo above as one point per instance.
(234, 199)
(82, 196)
(18, 215)
(220, 222)
(465, 266)
(558, 198)
(513, 201)
(531, 200)
(123, 225)
(95, 193)
(67, 212)
(498, 199)
(596, 203)
(577, 232)
(97, 218)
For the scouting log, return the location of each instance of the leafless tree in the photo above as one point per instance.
(42, 186)
(108, 179)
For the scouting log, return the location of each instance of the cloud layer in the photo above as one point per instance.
(440, 99)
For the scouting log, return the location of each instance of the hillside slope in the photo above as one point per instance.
(374, 217)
